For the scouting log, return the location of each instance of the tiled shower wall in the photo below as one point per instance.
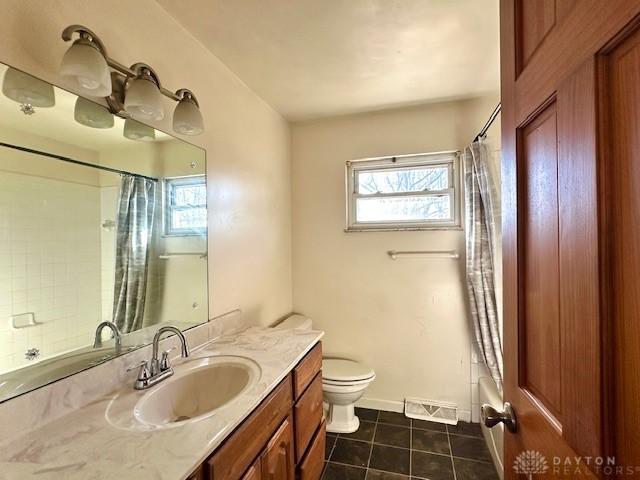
(478, 369)
(49, 265)
(109, 205)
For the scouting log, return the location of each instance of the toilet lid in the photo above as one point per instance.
(345, 370)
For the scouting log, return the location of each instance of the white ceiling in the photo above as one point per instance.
(315, 58)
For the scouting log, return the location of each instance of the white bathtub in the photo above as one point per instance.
(489, 393)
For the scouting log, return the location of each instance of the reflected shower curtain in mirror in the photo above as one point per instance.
(481, 209)
(134, 228)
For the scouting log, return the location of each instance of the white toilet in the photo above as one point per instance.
(343, 383)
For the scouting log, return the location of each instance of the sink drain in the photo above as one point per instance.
(182, 418)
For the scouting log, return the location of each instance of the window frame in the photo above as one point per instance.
(450, 159)
(167, 191)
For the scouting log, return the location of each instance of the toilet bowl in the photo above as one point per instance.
(343, 383)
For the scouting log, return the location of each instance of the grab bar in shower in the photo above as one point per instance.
(395, 254)
(168, 256)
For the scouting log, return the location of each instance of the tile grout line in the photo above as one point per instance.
(375, 428)
(453, 465)
(410, 448)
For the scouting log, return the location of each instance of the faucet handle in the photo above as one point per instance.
(164, 360)
(144, 372)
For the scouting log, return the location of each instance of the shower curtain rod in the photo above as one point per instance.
(492, 118)
(76, 162)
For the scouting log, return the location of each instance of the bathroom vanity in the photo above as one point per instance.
(269, 427)
(283, 438)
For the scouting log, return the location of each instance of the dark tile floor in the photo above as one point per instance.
(390, 446)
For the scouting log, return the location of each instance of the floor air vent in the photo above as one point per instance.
(421, 409)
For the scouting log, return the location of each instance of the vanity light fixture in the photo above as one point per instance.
(28, 91)
(133, 92)
(187, 118)
(143, 100)
(91, 114)
(85, 63)
(138, 131)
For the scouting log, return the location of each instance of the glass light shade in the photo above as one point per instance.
(27, 90)
(91, 114)
(87, 69)
(187, 118)
(143, 100)
(138, 131)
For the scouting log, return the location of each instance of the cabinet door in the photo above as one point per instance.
(198, 474)
(277, 459)
(254, 472)
(310, 467)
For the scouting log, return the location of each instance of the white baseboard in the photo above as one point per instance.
(379, 404)
(398, 406)
(464, 415)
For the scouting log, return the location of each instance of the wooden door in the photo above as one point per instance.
(278, 461)
(570, 72)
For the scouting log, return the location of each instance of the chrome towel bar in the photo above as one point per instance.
(395, 254)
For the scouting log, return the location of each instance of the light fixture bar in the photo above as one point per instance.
(83, 32)
(121, 75)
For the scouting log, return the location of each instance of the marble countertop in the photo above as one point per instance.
(89, 443)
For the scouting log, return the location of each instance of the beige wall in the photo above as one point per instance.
(247, 142)
(407, 318)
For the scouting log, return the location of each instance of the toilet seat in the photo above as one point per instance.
(337, 371)
(347, 384)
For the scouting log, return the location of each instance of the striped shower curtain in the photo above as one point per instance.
(133, 239)
(482, 209)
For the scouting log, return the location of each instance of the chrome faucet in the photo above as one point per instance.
(97, 342)
(156, 370)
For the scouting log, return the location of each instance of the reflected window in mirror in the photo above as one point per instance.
(185, 205)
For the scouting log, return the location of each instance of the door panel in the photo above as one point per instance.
(622, 71)
(535, 21)
(579, 262)
(539, 281)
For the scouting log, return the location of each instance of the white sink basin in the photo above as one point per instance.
(197, 390)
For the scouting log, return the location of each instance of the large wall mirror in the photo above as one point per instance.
(102, 219)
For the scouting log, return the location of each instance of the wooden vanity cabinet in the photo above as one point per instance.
(255, 471)
(277, 459)
(283, 438)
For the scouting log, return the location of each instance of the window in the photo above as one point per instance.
(408, 192)
(185, 200)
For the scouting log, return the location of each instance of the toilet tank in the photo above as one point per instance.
(295, 321)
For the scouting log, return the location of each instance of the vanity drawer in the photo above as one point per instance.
(236, 455)
(308, 415)
(306, 370)
(311, 466)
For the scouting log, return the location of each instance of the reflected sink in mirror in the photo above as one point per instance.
(197, 390)
(47, 371)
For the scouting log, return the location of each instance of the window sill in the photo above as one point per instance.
(402, 229)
